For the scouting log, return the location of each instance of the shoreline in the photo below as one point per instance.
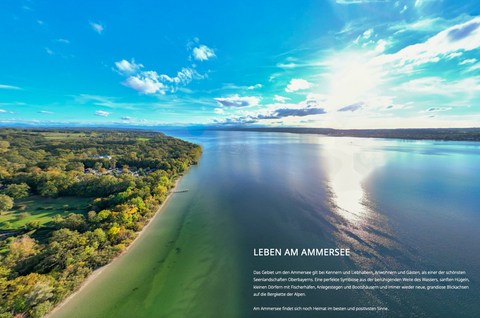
(436, 134)
(99, 270)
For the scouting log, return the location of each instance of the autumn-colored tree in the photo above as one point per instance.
(30, 272)
(21, 249)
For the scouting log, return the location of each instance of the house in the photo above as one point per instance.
(101, 157)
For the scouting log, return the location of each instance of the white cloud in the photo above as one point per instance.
(49, 51)
(233, 86)
(127, 68)
(404, 9)
(367, 34)
(128, 118)
(45, 112)
(63, 41)
(8, 87)
(419, 3)
(287, 65)
(255, 86)
(439, 86)
(98, 27)
(237, 101)
(312, 105)
(461, 37)
(364, 45)
(297, 84)
(280, 98)
(3, 111)
(474, 67)
(203, 53)
(146, 83)
(453, 55)
(101, 113)
(219, 111)
(292, 65)
(469, 61)
(435, 24)
(150, 82)
(381, 45)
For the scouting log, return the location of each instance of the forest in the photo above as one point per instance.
(71, 200)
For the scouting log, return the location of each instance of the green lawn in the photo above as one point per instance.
(62, 135)
(143, 139)
(43, 209)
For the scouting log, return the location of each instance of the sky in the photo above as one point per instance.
(345, 64)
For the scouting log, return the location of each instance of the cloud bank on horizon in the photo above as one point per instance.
(337, 64)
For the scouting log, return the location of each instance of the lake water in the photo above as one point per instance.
(398, 205)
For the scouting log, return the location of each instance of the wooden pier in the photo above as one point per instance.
(178, 191)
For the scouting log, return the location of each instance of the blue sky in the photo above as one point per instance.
(336, 64)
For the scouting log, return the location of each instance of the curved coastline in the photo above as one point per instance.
(99, 270)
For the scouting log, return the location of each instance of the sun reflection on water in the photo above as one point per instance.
(350, 162)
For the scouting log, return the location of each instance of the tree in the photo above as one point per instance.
(102, 215)
(100, 236)
(6, 203)
(4, 145)
(17, 191)
(91, 216)
(113, 231)
(36, 276)
(6, 225)
(20, 250)
(49, 190)
(41, 309)
(23, 215)
(73, 222)
(40, 292)
(98, 165)
(32, 225)
(75, 166)
(56, 219)
(4, 271)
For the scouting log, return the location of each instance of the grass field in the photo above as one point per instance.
(143, 139)
(56, 135)
(43, 209)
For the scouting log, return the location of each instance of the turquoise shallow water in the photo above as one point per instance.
(398, 205)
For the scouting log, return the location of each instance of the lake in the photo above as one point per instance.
(396, 204)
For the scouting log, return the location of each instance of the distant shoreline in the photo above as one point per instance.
(99, 270)
(437, 134)
(471, 134)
